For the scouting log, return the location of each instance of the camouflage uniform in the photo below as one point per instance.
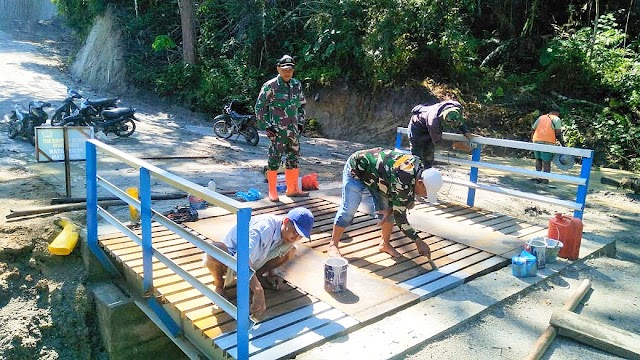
(392, 175)
(279, 108)
(425, 127)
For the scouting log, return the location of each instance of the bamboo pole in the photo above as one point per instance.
(551, 331)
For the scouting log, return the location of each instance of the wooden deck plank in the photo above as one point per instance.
(229, 340)
(459, 277)
(307, 273)
(291, 332)
(397, 282)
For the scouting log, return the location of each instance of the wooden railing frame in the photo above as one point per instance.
(240, 263)
(475, 164)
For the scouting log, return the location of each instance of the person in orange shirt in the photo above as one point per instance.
(547, 129)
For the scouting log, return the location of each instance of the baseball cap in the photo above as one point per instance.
(302, 219)
(433, 182)
(452, 114)
(286, 61)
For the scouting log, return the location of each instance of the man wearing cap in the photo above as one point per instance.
(547, 129)
(272, 241)
(280, 111)
(393, 179)
(425, 128)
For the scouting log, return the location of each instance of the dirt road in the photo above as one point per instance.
(43, 299)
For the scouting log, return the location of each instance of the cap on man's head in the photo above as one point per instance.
(433, 182)
(452, 114)
(302, 220)
(286, 61)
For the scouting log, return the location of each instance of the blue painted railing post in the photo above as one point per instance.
(92, 209)
(581, 196)
(92, 196)
(398, 140)
(145, 222)
(244, 216)
(473, 175)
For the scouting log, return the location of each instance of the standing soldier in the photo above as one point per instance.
(280, 111)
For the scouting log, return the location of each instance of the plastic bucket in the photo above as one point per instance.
(335, 274)
(553, 248)
(538, 248)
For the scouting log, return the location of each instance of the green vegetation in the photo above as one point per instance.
(520, 57)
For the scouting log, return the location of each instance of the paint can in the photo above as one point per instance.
(538, 248)
(335, 274)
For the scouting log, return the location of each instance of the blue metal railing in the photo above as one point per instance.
(239, 264)
(475, 163)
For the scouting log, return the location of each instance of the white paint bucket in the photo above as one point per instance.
(335, 274)
(538, 248)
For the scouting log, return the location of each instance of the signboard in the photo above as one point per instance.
(50, 142)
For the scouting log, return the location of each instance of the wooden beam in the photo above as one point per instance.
(600, 335)
(550, 332)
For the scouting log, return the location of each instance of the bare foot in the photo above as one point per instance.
(220, 291)
(389, 249)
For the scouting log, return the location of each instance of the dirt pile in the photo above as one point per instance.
(100, 62)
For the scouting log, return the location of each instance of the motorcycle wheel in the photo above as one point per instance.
(222, 129)
(125, 128)
(56, 118)
(251, 136)
(12, 125)
(31, 133)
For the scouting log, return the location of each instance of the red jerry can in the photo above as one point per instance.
(567, 230)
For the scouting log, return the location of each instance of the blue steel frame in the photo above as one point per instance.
(244, 274)
(581, 192)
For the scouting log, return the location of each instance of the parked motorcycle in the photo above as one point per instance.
(119, 121)
(231, 122)
(68, 106)
(21, 122)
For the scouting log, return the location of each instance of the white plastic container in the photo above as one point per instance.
(281, 183)
(212, 185)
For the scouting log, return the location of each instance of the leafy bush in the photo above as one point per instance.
(597, 67)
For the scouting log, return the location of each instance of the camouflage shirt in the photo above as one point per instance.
(392, 174)
(280, 104)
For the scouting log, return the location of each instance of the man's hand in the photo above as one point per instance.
(333, 251)
(423, 248)
(258, 304)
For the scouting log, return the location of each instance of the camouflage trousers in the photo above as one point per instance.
(286, 142)
(425, 152)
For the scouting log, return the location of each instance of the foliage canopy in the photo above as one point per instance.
(522, 55)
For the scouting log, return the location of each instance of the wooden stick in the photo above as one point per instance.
(599, 335)
(551, 331)
(59, 208)
(70, 200)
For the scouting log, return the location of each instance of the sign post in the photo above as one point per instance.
(62, 143)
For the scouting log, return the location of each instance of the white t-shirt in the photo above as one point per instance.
(264, 235)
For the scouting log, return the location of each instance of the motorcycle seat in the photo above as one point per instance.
(103, 102)
(117, 112)
(235, 115)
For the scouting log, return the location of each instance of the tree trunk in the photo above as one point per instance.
(188, 31)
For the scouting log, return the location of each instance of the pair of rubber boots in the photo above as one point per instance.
(291, 179)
